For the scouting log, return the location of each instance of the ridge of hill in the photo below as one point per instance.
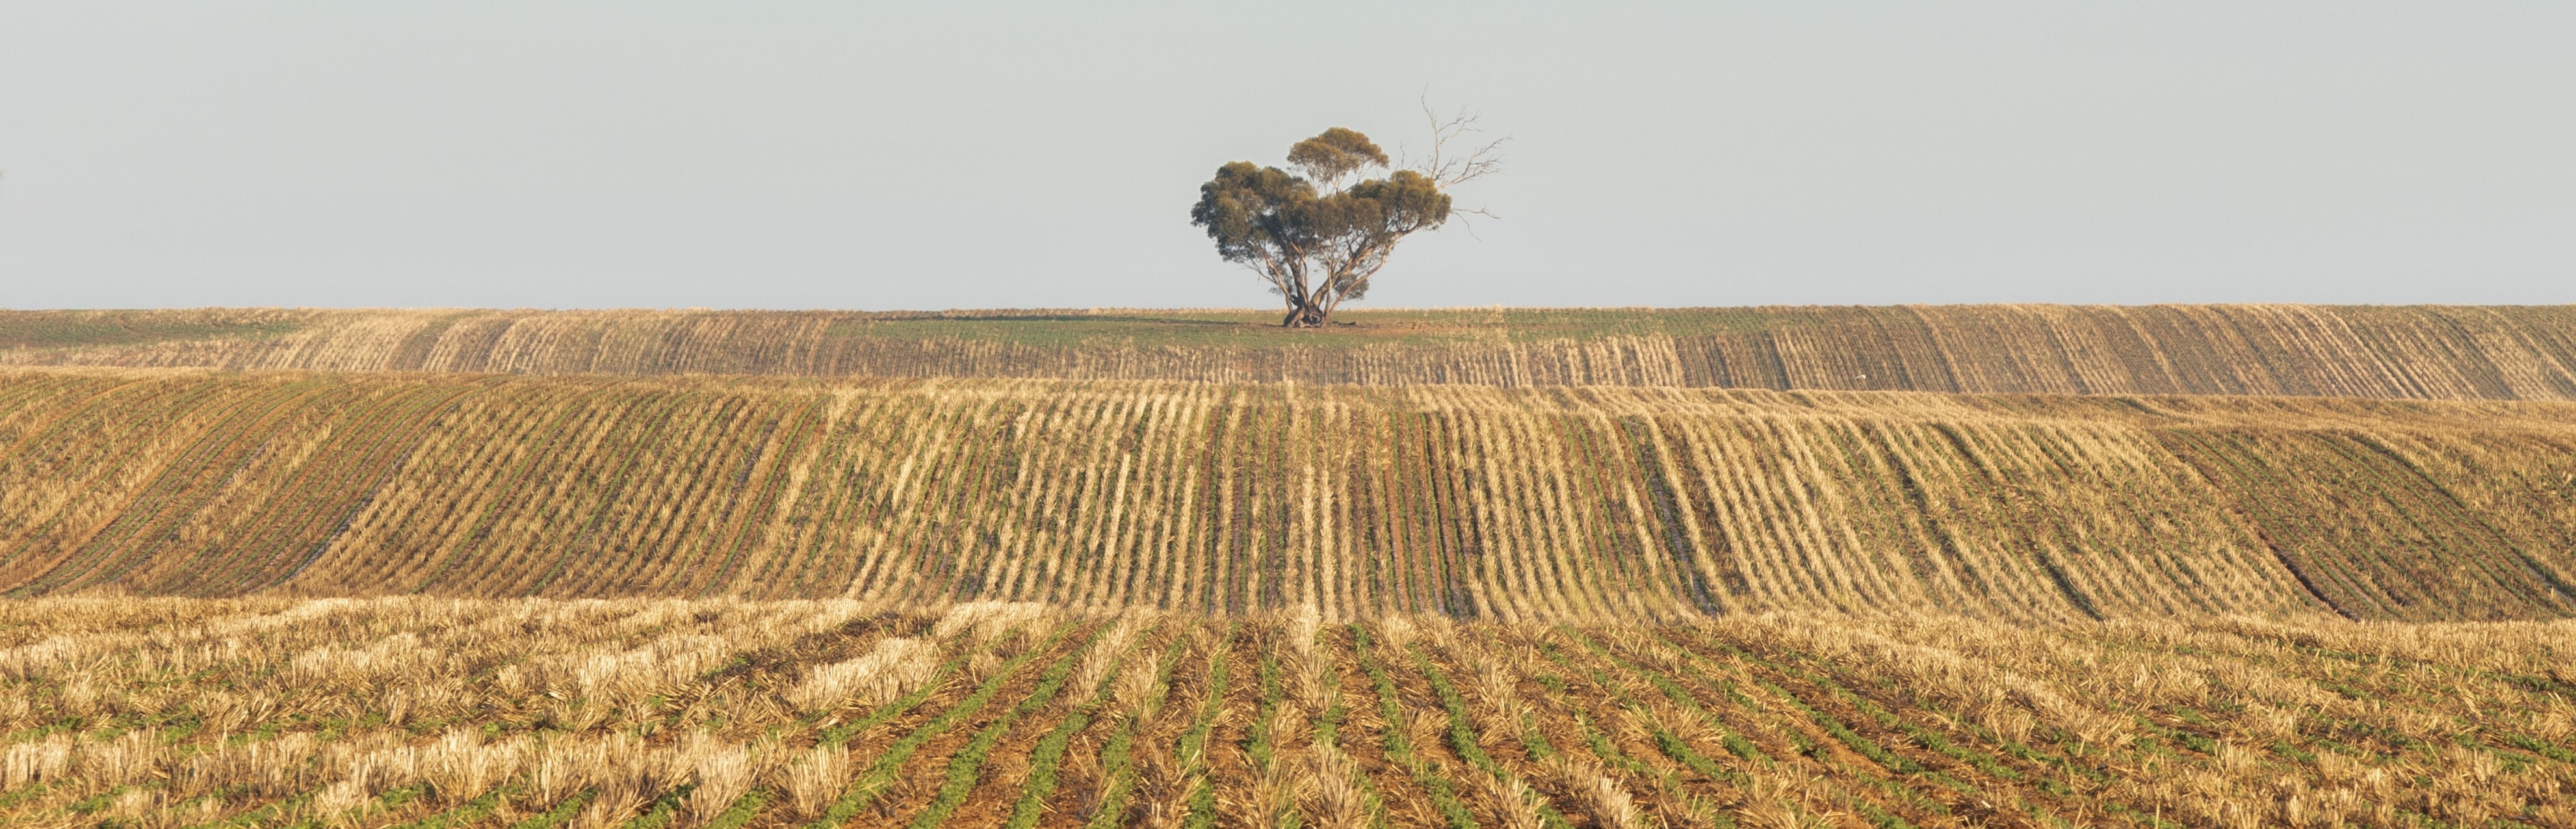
(2428, 352)
(1476, 502)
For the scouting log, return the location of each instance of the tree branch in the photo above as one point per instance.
(1447, 165)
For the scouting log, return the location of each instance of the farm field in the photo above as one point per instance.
(425, 712)
(1477, 503)
(2169, 566)
(2440, 352)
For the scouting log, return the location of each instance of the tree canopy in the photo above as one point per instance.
(1316, 241)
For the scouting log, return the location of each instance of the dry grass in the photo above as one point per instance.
(181, 712)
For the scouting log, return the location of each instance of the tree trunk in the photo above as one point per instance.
(1303, 313)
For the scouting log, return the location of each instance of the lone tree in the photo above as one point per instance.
(1318, 241)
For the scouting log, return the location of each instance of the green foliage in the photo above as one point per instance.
(663, 810)
(1462, 739)
(1116, 758)
(465, 814)
(1335, 153)
(560, 814)
(1400, 748)
(1046, 760)
(967, 767)
(1193, 748)
(881, 774)
(1263, 745)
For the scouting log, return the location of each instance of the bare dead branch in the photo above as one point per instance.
(1446, 164)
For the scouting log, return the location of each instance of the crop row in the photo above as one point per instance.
(645, 713)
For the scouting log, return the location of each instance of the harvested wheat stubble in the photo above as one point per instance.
(1497, 504)
(2445, 352)
(661, 712)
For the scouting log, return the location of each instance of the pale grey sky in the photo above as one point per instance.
(891, 155)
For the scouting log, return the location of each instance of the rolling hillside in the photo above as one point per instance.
(1466, 501)
(2433, 352)
(1527, 569)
